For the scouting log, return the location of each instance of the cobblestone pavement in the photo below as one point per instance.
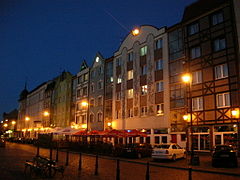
(13, 156)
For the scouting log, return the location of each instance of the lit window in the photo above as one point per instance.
(159, 64)
(219, 44)
(221, 71)
(130, 56)
(193, 29)
(197, 104)
(195, 52)
(144, 89)
(144, 69)
(217, 18)
(160, 109)
(143, 51)
(130, 75)
(130, 93)
(119, 79)
(223, 100)
(159, 86)
(97, 59)
(85, 76)
(144, 111)
(197, 77)
(111, 79)
(158, 44)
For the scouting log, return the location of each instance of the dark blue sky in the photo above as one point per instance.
(41, 38)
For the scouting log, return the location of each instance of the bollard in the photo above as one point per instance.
(147, 172)
(118, 171)
(37, 147)
(57, 154)
(190, 173)
(80, 162)
(67, 157)
(96, 165)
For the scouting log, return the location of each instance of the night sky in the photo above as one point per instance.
(41, 38)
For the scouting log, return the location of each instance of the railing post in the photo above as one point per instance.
(51, 146)
(190, 173)
(96, 165)
(67, 157)
(118, 171)
(37, 147)
(147, 172)
(80, 161)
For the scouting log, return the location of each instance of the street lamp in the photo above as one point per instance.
(187, 79)
(13, 123)
(5, 125)
(235, 114)
(85, 106)
(46, 113)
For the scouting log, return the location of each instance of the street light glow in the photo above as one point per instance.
(135, 32)
(46, 113)
(84, 103)
(109, 124)
(27, 118)
(186, 78)
(235, 113)
(13, 122)
(186, 117)
(5, 125)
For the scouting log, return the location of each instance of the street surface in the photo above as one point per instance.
(13, 157)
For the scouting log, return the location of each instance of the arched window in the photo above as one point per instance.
(99, 117)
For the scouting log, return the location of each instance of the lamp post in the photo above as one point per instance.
(27, 119)
(187, 79)
(235, 114)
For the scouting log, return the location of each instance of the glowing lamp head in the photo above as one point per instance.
(84, 103)
(13, 122)
(186, 117)
(46, 113)
(27, 118)
(109, 124)
(5, 125)
(235, 113)
(135, 32)
(186, 78)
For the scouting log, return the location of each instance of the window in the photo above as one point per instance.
(118, 95)
(195, 52)
(100, 70)
(93, 74)
(99, 116)
(221, 71)
(118, 61)
(100, 101)
(193, 29)
(159, 64)
(119, 79)
(83, 119)
(117, 114)
(91, 118)
(84, 91)
(100, 85)
(130, 112)
(143, 69)
(77, 119)
(159, 86)
(143, 51)
(130, 93)
(78, 93)
(219, 44)
(85, 77)
(197, 77)
(158, 44)
(197, 104)
(92, 87)
(92, 103)
(223, 100)
(130, 75)
(144, 89)
(130, 56)
(144, 111)
(80, 79)
(160, 109)
(217, 18)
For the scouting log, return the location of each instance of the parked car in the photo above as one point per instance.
(137, 150)
(168, 151)
(224, 155)
(2, 143)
